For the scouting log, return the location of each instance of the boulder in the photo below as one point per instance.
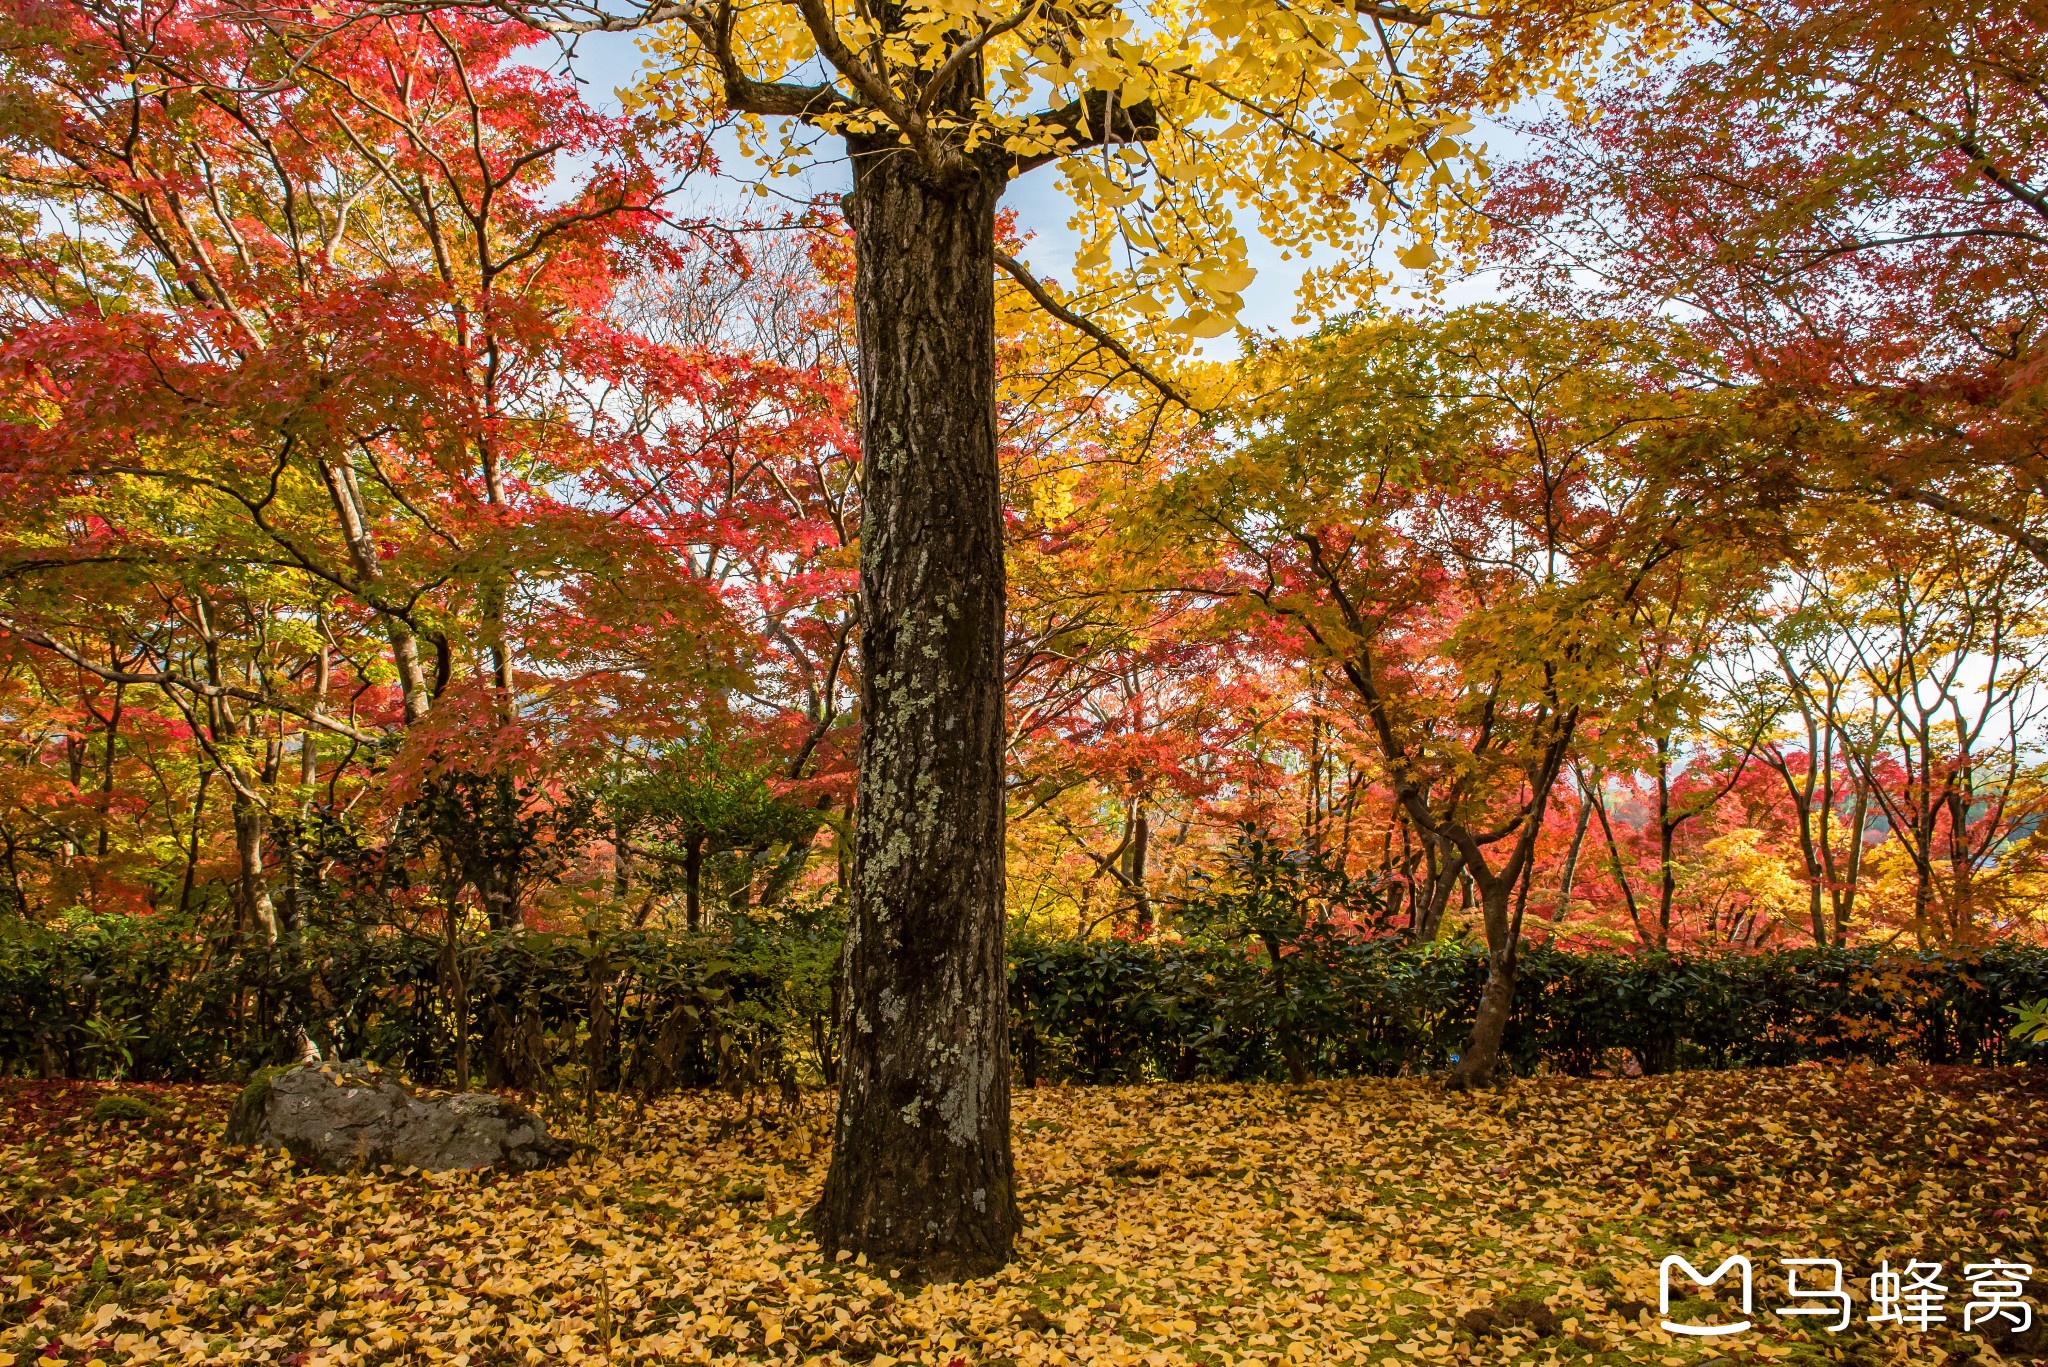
(344, 1117)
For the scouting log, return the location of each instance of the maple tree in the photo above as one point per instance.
(339, 490)
(1458, 517)
(1845, 199)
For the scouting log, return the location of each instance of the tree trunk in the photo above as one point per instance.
(342, 489)
(1141, 838)
(192, 847)
(1446, 874)
(693, 883)
(622, 858)
(1667, 880)
(252, 888)
(921, 1176)
(1289, 1040)
(107, 775)
(1571, 859)
(1489, 1026)
(1844, 898)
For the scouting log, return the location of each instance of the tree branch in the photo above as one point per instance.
(1095, 333)
(167, 680)
(1092, 121)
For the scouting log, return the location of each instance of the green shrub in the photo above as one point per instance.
(1115, 1011)
(125, 1108)
(751, 1004)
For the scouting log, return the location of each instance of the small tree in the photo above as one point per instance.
(689, 804)
(1299, 906)
(1458, 518)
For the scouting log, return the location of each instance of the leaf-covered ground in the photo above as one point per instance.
(1348, 1222)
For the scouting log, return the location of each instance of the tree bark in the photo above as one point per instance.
(1141, 838)
(191, 850)
(1667, 875)
(1571, 859)
(693, 882)
(921, 1177)
(1490, 1024)
(252, 888)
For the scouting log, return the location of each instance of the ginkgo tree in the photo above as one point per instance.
(1326, 124)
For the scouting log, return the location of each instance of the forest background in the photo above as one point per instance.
(417, 516)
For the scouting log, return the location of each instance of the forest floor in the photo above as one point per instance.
(1370, 1222)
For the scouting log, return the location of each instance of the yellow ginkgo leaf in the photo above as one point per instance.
(1227, 281)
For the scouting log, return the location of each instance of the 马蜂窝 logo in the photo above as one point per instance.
(1911, 1298)
(1737, 1262)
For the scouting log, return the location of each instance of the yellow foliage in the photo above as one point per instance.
(1329, 128)
(1368, 1222)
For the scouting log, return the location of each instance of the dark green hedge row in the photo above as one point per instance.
(1101, 1012)
(154, 1000)
(751, 1004)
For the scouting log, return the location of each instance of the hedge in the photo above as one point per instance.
(751, 1004)
(1114, 1012)
(150, 999)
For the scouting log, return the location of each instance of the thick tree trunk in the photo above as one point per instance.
(1477, 1065)
(921, 1176)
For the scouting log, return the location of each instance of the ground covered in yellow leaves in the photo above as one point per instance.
(1370, 1222)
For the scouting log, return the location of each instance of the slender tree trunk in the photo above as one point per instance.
(1288, 1037)
(693, 883)
(794, 860)
(622, 858)
(1571, 857)
(347, 498)
(258, 911)
(1141, 837)
(107, 772)
(1845, 898)
(1667, 876)
(1481, 1058)
(7, 844)
(192, 846)
(921, 1176)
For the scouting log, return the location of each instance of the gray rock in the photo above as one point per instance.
(342, 1117)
